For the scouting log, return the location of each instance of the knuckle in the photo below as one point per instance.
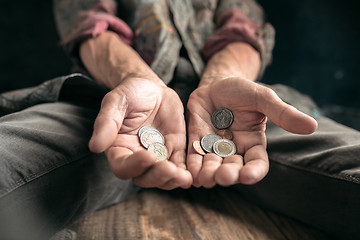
(110, 96)
(269, 93)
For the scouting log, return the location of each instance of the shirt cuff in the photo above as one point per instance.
(93, 22)
(235, 26)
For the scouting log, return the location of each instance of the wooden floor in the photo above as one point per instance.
(190, 214)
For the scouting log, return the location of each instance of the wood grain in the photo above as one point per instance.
(218, 213)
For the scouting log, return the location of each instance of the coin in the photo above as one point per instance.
(145, 128)
(208, 141)
(224, 148)
(160, 151)
(198, 148)
(151, 136)
(225, 134)
(222, 118)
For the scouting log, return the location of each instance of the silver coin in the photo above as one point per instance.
(222, 118)
(144, 128)
(150, 136)
(224, 148)
(208, 141)
(160, 151)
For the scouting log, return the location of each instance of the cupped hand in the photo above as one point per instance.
(251, 104)
(138, 102)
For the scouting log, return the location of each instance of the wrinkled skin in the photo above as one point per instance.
(251, 104)
(134, 103)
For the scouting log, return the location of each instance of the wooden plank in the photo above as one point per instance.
(214, 214)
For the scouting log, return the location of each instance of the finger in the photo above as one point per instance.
(194, 164)
(126, 165)
(282, 114)
(189, 180)
(210, 165)
(256, 165)
(158, 175)
(183, 179)
(108, 122)
(178, 158)
(228, 173)
(197, 128)
(176, 144)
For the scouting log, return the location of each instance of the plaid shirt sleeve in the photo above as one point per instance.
(78, 20)
(241, 20)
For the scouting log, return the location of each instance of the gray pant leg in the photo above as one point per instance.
(48, 177)
(314, 178)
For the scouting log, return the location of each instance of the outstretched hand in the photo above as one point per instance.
(251, 104)
(138, 102)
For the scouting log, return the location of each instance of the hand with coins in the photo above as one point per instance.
(227, 117)
(140, 125)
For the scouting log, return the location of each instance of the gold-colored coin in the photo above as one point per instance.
(224, 148)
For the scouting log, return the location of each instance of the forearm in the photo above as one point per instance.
(109, 60)
(236, 59)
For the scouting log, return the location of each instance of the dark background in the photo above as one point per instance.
(317, 50)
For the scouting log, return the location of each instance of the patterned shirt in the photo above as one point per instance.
(158, 30)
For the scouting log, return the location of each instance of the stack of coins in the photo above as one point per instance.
(154, 142)
(219, 143)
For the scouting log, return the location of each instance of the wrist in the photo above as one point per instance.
(237, 59)
(110, 61)
(118, 76)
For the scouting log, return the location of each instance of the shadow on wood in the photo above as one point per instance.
(219, 213)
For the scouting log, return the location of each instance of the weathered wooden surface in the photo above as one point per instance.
(190, 214)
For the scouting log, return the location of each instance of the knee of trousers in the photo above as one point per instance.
(55, 200)
(39, 139)
(48, 176)
(315, 178)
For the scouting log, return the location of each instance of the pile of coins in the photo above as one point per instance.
(154, 142)
(219, 143)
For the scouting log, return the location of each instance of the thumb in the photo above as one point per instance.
(108, 122)
(283, 114)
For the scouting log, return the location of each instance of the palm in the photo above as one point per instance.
(136, 103)
(149, 108)
(246, 100)
(248, 127)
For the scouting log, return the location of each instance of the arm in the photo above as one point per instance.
(110, 61)
(137, 98)
(228, 81)
(79, 20)
(237, 54)
(241, 21)
(99, 41)
(236, 59)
